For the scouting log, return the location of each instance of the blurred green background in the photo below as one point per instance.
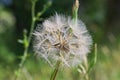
(102, 18)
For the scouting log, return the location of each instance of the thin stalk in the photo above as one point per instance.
(30, 34)
(86, 68)
(33, 21)
(75, 10)
(26, 45)
(32, 27)
(23, 58)
(27, 40)
(54, 74)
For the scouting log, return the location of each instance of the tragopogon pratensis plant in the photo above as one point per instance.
(59, 38)
(63, 40)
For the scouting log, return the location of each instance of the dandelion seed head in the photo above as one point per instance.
(60, 38)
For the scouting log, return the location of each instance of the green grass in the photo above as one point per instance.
(106, 68)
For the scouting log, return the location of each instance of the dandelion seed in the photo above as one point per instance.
(60, 38)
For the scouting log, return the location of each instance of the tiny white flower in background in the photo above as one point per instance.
(60, 38)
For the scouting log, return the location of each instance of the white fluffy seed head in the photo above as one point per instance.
(60, 38)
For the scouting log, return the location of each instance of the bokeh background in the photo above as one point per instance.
(102, 18)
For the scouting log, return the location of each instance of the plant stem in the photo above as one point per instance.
(32, 27)
(33, 21)
(26, 45)
(30, 34)
(75, 10)
(53, 76)
(86, 68)
(27, 40)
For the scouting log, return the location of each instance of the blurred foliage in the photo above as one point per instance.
(7, 24)
(102, 18)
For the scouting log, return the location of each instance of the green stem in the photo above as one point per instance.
(29, 39)
(32, 27)
(75, 15)
(33, 22)
(30, 34)
(86, 68)
(75, 10)
(53, 76)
